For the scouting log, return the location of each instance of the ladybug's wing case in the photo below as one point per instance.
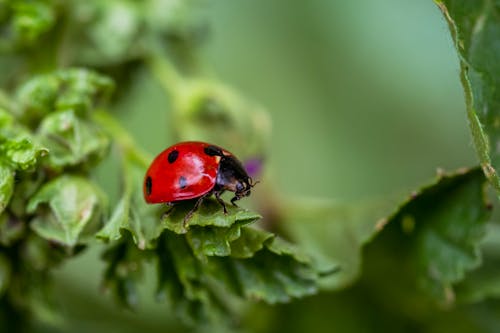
(181, 172)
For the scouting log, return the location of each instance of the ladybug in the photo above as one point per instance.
(195, 170)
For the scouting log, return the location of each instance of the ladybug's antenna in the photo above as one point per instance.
(252, 183)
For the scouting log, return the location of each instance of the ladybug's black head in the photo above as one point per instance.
(243, 187)
(232, 176)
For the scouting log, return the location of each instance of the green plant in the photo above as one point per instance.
(62, 78)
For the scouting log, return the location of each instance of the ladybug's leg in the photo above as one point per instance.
(192, 211)
(234, 199)
(219, 199)
(167, 213)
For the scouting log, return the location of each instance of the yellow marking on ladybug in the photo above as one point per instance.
(217, 159)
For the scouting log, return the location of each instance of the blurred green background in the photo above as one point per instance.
(365, 101)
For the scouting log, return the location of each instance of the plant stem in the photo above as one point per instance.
(125, 142)
(164, 70)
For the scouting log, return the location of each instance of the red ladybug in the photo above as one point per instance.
(190, 170)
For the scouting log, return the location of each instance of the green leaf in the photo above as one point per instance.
(483, 283)
(25, 22)
(210, 213)
(96, 47)
(276, 274)
(79, 90)
(211, 112)
(11, 229)
(132, 213)
(72, 140)
(475, 29)
(69, 209)
(6, 185)
(203, 279)
(125, 267)
(40, 255)
(214, 241)
(207, 110)
(17, 146)
(144, 25)
(250, 241)
(33, 288)
(433, 239)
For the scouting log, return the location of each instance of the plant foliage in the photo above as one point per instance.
(62, 79)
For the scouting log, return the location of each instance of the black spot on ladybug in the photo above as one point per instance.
(172, 156)
(213, 151)
(182, 182)
(149, 185)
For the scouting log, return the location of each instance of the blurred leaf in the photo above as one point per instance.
(6, 185)
(335, 233)
(184, 281)
(483, 283)
(125, 265)
(207, 110)
(431, 241)
(69, 210)
(72, 140)
(24, 22)
(11, 229)
(77, 90)
(5, 273)
(447, 222)
(212, 241)
(40, 254)
(207, 277)
(33, 293)
(142, 25)
(276, 274)
(475, 29)
(249, 241)
(96, 48)
(132, 213)
(211, 112)
(26, 184)
(18, 147)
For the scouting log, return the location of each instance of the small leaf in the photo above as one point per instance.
(210, 213)
(78, 90)
(40, 255)
(71, 140)
(483, 283)
(475, 29)
(17, 146)
(97, 48)
(6, 185)
(22, 153)
(433, 237)
(250, 241)
(274, 274)
(200, 276)
(69, 209)
(118, 221)
(23, 23)
(209, 111)
(212, 241)
(132, 213)
(184, 282)
(33, 287)
(125, 266)
(11, 229)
